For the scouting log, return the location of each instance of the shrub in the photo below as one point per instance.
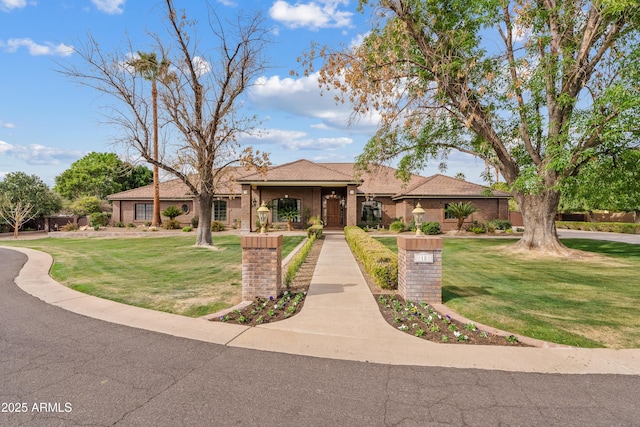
(315, 231)
(194, 222)
(187, 229)
(398, 227)
(477, 229)
(378, 260)
(172, 212)
(217, 226)
(131, 225)
(431, 228)
(298, 259)
(69, 227)
(99, 219)
(501, 224)
(119, 224)
(314, 220)
(147, 224)
(172, 224)
(612, 227)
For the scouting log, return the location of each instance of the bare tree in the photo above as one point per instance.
(199, 101)
(16, 214)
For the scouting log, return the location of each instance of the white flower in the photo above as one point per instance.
(456, 333)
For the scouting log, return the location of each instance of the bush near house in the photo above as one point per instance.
(315, 231)
(99, 219)
(378, 260)
(431, 228)
(295, 264)
(398, 226)
(217, 226)
(611, 227)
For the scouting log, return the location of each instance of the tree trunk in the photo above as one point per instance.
(636, 216)
(157, 221)
(538, 215)
(205, 204)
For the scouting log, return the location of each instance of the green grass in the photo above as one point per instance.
(161, 273)
(585, 303)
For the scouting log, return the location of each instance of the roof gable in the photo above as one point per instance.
(300, 171)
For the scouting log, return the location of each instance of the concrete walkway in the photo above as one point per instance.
(340, 320)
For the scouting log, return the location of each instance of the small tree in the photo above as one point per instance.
(172, 212)
(24, 197)
(461, 210)
(289, 214)
(16, 214)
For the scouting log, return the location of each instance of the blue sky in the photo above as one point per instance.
(48, 121)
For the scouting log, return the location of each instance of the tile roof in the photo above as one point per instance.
(446, 186)
(380, 181)
(301, 171)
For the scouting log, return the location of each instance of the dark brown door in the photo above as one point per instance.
(333, 212)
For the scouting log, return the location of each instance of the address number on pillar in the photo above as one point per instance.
(423, 258)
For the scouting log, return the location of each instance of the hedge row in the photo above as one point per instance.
(378, 260)
(296, 262)
(612, 227)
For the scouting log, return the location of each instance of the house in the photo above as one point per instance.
(333, 191)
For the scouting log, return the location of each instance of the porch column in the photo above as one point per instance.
(352, 205)
(245, 216)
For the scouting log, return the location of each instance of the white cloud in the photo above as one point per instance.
(313, 15)
(296, 140)
(201, 65)
(35, 49)
(7, 5)
(6, 125)
(112, 7)
(36, 154)
(228, 3)
(301, 97)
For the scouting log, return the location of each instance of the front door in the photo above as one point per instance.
(333, 213)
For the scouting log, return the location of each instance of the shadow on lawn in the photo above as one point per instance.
(452, 292)
(615, 249)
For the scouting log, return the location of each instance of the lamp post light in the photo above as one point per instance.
(418, 217)
(263, 214)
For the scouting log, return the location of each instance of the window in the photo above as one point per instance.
(447, 215)
(144, 211)
(371, 211)
(281, 206)
(185, 208)
(219, 210)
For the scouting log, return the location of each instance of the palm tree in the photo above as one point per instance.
(461, 210)
(150, 69)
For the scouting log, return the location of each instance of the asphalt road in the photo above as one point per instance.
(62, 369)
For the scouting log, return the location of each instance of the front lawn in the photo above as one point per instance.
(161, 273)
(586, 303)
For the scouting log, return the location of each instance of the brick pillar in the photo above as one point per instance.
(261, 265)
(420, 268)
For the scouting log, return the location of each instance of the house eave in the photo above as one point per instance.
(447, 196)
(299, 183)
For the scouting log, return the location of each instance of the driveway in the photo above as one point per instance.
(70, 370)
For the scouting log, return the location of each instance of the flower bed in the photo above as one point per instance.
(424, 322)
